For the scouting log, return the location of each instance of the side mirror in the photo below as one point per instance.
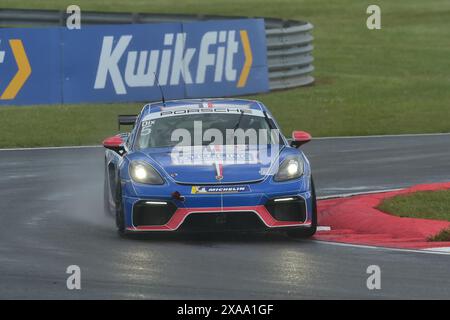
(115, 144)
(299, 138)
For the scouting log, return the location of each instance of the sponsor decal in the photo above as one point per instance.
(214, 109)
(147, 127)
(174, 62)
(203, 155)
(219, 189)
(202, 110)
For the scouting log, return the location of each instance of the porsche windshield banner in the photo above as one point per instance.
(127, 62)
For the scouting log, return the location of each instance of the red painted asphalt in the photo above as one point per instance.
(356, 220)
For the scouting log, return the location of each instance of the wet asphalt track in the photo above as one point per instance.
(51, 217)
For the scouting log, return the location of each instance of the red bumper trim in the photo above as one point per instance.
(180, 215)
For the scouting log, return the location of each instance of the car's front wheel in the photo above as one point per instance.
(310, 231)
(120, 215)
(106, 203)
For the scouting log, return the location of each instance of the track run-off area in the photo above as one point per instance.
(52, 217)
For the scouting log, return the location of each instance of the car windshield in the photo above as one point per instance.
(206, 129)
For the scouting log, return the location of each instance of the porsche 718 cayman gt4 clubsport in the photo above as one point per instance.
(208, 165)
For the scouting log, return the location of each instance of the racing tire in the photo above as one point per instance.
(307, 232)
(106, 204)
(120, 215)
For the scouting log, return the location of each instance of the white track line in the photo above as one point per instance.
(50, 148)
(442, 249)
(318, 138)
(347, 195)
(438, 251)
(407, 135)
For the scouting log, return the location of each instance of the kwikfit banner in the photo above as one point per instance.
(127, 62)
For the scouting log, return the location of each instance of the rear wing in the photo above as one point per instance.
(126, 120)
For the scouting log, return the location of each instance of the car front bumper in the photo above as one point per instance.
(181, 214)
(165, 214)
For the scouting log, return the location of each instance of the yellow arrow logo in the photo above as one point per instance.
(23, 72)
(248, 59)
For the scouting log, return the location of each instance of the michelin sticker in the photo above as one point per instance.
(219, 189)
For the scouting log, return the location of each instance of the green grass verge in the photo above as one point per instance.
(395, 80)
(425, 205)
(444, 235)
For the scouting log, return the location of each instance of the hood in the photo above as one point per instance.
(213, 165)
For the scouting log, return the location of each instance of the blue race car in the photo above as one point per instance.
(208, 165)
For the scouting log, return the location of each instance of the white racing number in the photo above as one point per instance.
(147, 127)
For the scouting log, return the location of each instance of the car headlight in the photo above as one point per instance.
(142, 172)
(290, 168)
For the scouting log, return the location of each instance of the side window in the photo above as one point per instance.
(132, 134)
(128, 142)
(130, 139)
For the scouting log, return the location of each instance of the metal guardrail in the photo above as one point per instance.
(289, 54)
(289, 42)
